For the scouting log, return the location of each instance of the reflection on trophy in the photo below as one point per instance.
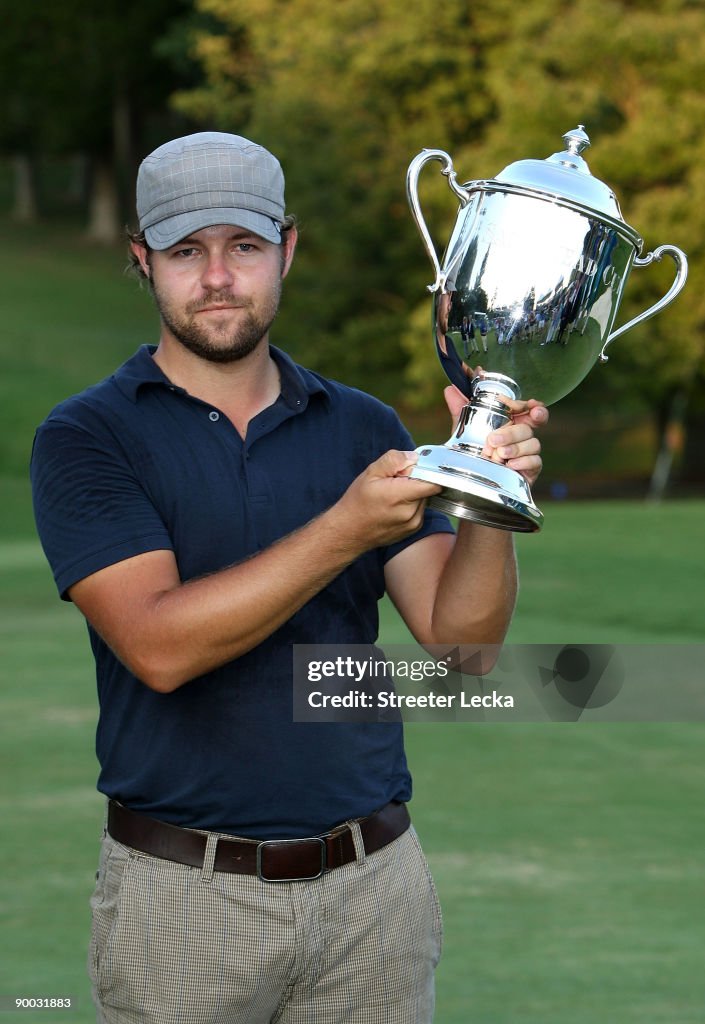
(525, 299)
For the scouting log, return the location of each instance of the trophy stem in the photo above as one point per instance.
(477, 420)
(474, 487)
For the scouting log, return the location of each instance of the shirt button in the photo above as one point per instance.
(213, 416)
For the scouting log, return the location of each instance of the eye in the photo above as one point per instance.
(184, 253)
(243, 247)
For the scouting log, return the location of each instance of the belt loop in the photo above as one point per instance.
(358, 841)
(209, 858)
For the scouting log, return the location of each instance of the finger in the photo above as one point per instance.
(416, 515)
(528, 465)
(410, 490)
(519, 405)
(455, 400)
(537, 414)
(531, 411)
(402, 487)
(511, 443)
(507, 452)
(393, 463)
(512, 433)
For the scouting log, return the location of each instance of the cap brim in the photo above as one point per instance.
(172, 230)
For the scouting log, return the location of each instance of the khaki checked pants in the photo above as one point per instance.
(172, 944)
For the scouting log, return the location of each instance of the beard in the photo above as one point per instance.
(219, 343)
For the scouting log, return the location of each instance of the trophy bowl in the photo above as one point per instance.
(525, 299)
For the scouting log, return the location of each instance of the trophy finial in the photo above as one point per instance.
(576, 140)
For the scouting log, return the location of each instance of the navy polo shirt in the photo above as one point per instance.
(135, 464)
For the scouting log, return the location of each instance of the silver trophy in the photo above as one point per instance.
(525, 299)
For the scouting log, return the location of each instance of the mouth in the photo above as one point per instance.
(217, 308)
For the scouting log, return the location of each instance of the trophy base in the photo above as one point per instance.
(475, 488)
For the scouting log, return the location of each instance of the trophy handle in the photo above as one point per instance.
(412, 179)
(681, 261)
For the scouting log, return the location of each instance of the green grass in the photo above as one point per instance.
(50, 811)
(569, 862)
(70, 318)
(608, 572)
(623, 572)
(568, 856)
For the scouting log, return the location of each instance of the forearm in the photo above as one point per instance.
(192, 628)
(463, 591)
(477, 589)
(168, 632)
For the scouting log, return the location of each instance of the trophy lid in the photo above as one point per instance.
(565, 175)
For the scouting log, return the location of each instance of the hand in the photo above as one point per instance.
(382, 505)
(514, 444)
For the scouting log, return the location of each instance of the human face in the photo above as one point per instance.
(218, 290)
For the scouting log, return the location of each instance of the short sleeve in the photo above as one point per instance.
(90, 509)
(434, 520)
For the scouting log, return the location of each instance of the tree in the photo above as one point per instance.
(85, 77)
(345, 94)
(631, 71)
(348, 93)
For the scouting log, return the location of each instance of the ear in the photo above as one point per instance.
(289, 245)
(140, 253)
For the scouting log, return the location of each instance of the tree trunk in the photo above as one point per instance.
(25, 210)
(122, 147)
(104, 217)
(671, 446)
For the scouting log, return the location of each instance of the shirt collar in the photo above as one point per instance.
(139, 370)
(297, 383)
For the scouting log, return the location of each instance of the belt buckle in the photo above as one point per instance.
(271, 844)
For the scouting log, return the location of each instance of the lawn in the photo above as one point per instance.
(568, 857)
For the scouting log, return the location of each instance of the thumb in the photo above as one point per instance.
(394, 463)
(455, 400)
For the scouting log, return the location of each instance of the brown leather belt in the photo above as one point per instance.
(273, 860)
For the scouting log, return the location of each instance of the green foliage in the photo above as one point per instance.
(348, 93)
(630, 72)
(344, 93)
(65, 67)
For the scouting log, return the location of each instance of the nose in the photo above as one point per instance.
(216, 274)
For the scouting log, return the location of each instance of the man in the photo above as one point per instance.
(207, 507)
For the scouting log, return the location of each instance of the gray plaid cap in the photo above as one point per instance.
(206, 179)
